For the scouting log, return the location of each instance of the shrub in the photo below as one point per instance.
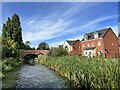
(86, 72)
(9, 64)
(57, 52)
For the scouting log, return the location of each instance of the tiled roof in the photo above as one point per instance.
(101, 34)
(89, 48)
(119, 35)
(71, 42)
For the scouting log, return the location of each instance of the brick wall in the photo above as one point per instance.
(95, 41)
(111, 44)
(76, 49)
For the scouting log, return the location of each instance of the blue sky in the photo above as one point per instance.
(56, 22)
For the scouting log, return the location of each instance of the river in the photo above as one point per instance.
(39, 76)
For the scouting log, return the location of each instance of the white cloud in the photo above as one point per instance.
(56, 25)
(55, 44)
(30, 22)
(45, 30)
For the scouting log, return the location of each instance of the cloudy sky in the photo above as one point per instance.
(56, 22)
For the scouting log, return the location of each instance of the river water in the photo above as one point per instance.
(40, 76)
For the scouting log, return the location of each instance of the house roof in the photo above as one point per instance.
(71, 42)
(119, 35)
(89, 48)
(101, 34)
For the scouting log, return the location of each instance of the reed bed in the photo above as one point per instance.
(86, 72)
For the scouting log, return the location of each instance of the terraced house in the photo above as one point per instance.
(102, 42)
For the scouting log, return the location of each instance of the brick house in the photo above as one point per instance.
(103, 42)
(119, 43)
(73, 47)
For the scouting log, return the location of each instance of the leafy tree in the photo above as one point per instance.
(43, 46)
(9, 49)
(17, 30)
(33, 48)
(12, 37)
(27, 45)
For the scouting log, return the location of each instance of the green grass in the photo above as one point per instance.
(86, 72)
(7, 65)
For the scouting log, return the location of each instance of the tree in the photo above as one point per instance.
(9, 49)
(43, 46)
(17, 30)
(27, 45)
(12, 36)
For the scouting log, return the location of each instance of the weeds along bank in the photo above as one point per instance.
(86, 72)
(8, 65)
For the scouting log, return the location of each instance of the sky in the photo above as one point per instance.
(55, 22)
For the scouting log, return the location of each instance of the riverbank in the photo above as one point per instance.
(86, 72)
(11, 78)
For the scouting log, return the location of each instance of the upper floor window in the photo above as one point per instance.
(99, 43)
(83, 45)
(93, 45)
(86, 37)
(95, 34)
(88, 45)
(112, 44)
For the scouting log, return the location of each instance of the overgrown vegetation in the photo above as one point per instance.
(11, 44)
(8, 65)
(86, 72)
(57, 52)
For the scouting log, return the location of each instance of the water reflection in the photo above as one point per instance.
(39, 76)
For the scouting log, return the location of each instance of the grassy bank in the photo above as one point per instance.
(11, 78)
(86, 72)
(7, 65)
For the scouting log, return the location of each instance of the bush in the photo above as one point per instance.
(57, 52)
(86, 72)
(9, 64)
(2, 75)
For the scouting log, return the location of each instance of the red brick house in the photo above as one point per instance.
(119, 43)
(103, 42)
(73, 47)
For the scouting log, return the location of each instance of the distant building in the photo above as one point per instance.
(60, 46)
(73, 47)
(103, 42)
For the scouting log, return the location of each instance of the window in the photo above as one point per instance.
(83, 45)
(112, 44)
(95, 34)
(93, 45)
(88, 45)
(99, 43)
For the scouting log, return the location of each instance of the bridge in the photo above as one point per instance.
(31, 54)
(36, 52)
